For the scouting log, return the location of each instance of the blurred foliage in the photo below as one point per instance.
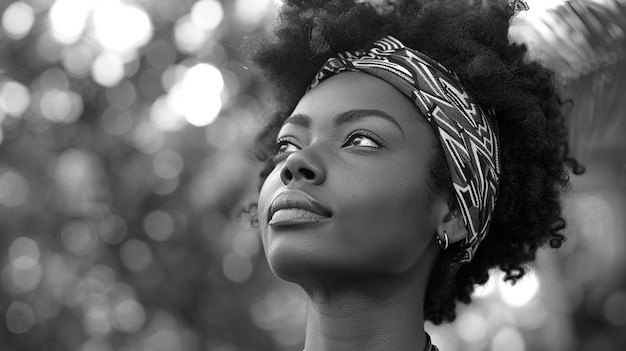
(585, 42)
(125, 172)
(124, 154)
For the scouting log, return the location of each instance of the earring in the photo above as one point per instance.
(443, 243)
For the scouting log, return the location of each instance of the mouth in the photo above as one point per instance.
(293, 207)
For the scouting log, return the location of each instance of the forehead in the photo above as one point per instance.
(355, 90)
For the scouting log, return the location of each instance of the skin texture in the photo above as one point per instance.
(366, 266)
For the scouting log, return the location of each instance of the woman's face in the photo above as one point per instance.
(349, 195)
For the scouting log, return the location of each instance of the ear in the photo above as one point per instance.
(451, 223)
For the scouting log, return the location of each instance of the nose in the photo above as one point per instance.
(303, 166)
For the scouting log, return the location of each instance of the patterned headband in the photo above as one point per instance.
(467, 132)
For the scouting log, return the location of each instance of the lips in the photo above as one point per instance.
(293, 206)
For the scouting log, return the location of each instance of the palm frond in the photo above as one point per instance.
(584, 41)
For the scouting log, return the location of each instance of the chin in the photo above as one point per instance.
(311, 269)
(292, 265)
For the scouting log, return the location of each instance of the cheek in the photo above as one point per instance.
(393, 211)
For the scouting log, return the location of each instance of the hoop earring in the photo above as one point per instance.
(443, 243)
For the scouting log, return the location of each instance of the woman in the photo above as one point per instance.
(413, 149)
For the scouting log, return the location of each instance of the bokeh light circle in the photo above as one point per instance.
(188, 36)
(19, 317)
(471, 326)
(15, 98)
(615, 308)
(129, 316)
(159, 225)
(136, 255)
(79, 237)
(207, 14)
(121, 27)
(64, 106)
(168, 164)
(78, 59)
(116, 120)
(164, 117)
(197, 95)
(108, 69)
(54, 78)
(523, 292)
(24, 280)
(147, 138)
(113, 229)
(237, 268)
(96, 344)
(251, 12)
(24, 252)
(17, 20)
(97, 322)
(14, 189)
(164, 339)
(68, 19)
(508, 339)
(246, 244)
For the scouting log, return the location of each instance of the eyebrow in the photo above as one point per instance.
(304, 121)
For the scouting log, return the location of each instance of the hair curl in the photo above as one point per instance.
(471, 39)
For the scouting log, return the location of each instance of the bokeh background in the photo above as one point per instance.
(126, 170)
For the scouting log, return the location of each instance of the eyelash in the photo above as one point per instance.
(369, 135)
(286, 141)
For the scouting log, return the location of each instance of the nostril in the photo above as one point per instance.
(307, 173)
(299, 168)
(286, 174)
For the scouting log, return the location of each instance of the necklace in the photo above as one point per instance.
(429, 345)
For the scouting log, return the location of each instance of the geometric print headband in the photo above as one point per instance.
(467, 132)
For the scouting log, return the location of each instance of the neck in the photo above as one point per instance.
(381, 314)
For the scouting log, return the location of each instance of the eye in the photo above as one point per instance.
(363, 139)
(285, 146)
